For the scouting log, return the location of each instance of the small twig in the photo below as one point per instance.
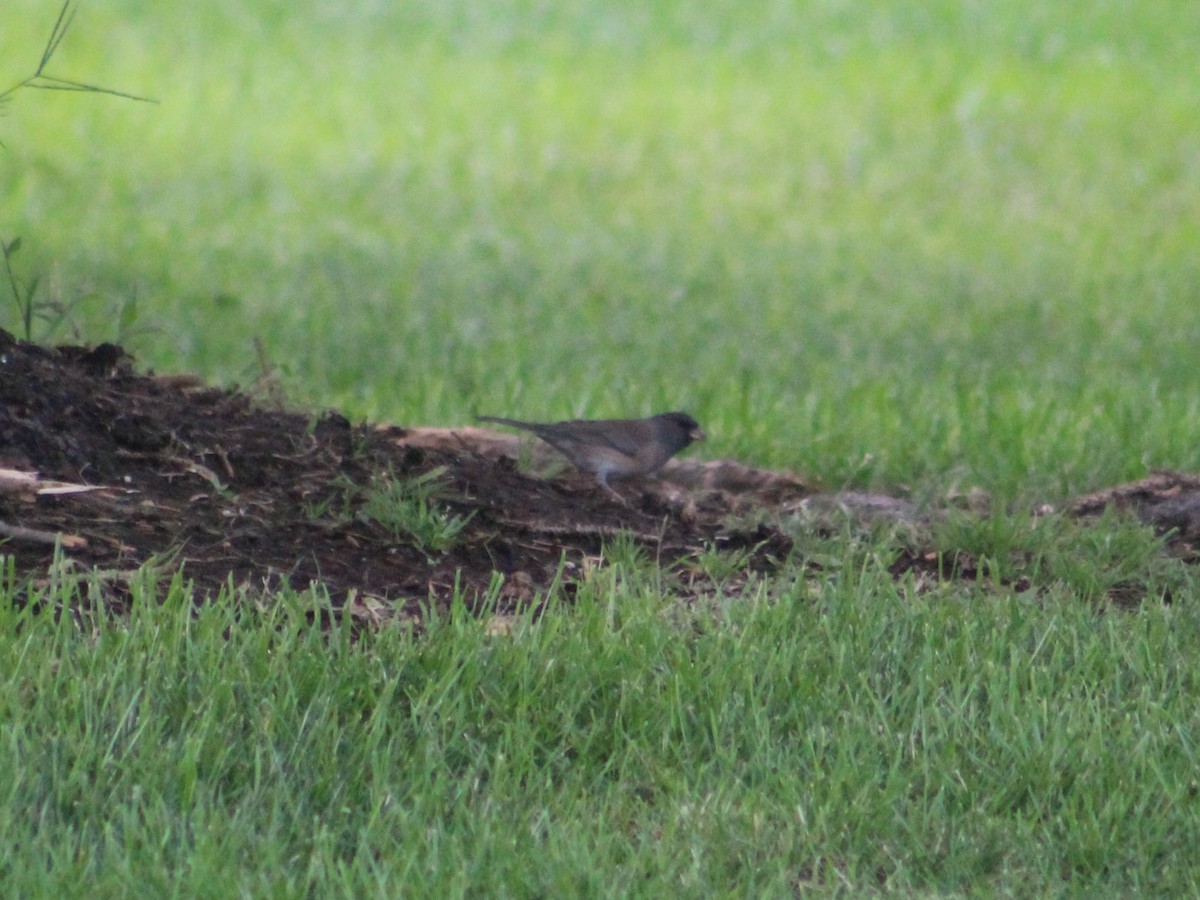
(65, 16)
(40, 80)
(53, 538)
(225, 463)
(268, 381)
(16, 481)
(66, 84)
(9, 248)
(196, 468)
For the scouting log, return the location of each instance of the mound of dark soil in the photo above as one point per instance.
(111, 469)
(103, 470)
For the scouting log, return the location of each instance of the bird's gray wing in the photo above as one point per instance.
(618, 435)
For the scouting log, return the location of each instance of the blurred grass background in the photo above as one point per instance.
(939, 244)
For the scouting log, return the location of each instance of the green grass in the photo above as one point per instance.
(409, 509)
(958, 740)
(945, 246)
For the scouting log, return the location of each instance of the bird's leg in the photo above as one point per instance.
(602, 480)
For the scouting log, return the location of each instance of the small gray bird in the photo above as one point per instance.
(615, 448)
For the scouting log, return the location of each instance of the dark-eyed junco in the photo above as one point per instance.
(615, 448)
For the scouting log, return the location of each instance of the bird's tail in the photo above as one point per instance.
(515, 423)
